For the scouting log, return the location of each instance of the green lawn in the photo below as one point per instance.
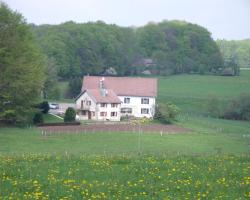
(209, 136)
(48, 118)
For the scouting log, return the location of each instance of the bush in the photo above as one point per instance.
(38, 118)
(214, 106)
(44, 106)
(166, 113)
(239, 108)
(70, 115)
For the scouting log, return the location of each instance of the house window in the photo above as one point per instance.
(103, 105)
(103, 114)
(83, 112)
(114, 105)
(145, 101)
(126, 100)
(144, 111)
(88, 103)
(93, 114)
(81, 104)
(113, 114)
(126, 110)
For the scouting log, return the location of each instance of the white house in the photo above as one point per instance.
(109, 98)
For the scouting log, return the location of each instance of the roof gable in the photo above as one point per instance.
(123, 86)
(110, 96)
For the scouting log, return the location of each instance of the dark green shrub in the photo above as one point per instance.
(166, 113)
(44, 106)
(38, 118)
(214, 106)
(239, 108)
(70, 115)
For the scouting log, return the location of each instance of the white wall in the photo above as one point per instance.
(97, 109)
(135, 104)
(91, 108)
(109, 109)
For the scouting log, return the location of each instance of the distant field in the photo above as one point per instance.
(191, 92)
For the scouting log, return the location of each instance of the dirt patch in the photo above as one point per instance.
(92, 128)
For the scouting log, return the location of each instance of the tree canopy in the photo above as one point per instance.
(235, 51)
(92, 48)
(21, 67)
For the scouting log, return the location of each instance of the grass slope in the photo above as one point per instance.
(191, 92)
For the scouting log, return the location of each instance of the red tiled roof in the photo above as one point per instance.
(110, 96)
(124, 86)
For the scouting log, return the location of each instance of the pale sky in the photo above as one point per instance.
(225, 19)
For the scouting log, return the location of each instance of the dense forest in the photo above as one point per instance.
(169, 47)
(237, 51)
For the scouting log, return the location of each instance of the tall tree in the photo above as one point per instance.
(21, 67)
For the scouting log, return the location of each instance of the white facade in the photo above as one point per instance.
(137, 106)
(88, 109)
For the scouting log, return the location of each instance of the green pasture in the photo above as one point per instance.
(191, 92)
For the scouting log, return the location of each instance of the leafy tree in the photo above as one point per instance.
(239, 49)
(92, 48)
(75, 85)
(21, 66)
(51, 82)
(70, 115)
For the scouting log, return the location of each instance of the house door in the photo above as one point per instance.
(89, 115)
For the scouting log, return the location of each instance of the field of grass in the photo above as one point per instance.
(124, 177)
(191, 92)
(210, 161)
(203, 141)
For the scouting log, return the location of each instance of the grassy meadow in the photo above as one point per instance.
(191, 92)
(210, 161)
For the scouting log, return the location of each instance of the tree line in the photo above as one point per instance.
(172, 47)
(235, 51)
